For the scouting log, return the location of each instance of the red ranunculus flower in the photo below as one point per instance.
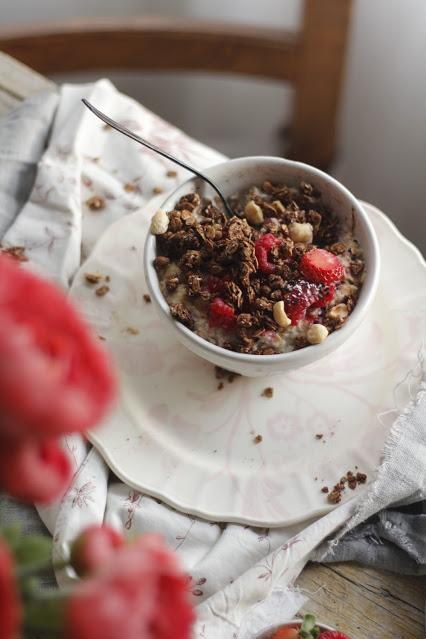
(54, 376)
(93, 547)
(140, 595)
(10, 606)
(33, 470)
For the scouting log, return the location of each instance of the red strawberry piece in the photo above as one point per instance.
(33, 471)
(311, 315)
(54, 376)
(332, 634)
(261, 248)
(325, 295)
(216, 284)
(221, 314)
(262, 259)
(269, 240)
(319, 265)
(299, 298)
(287, 632)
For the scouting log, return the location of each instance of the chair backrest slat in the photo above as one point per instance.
(311, 59)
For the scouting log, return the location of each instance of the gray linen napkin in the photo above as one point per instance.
(392, 540)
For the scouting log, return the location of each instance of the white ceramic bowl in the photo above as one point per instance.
(268, 632)
(233, 176)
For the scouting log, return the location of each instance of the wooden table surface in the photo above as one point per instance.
(362, 602)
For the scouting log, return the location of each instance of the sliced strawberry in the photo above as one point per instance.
(261, 248)
(221, 314)
(262, 259)
(325, 295)
(286, 632)
(299, 298)
(308, 629)
(319, 265)
(332, 634)
(268, 241)
(217, 284)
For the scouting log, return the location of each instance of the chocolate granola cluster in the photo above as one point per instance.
(244, 283)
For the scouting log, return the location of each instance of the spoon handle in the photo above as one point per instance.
(137, 138)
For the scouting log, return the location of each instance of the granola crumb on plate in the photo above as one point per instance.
(102, 290)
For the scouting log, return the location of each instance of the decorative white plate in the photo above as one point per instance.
(177, 437)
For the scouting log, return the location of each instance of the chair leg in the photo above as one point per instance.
(318, 80)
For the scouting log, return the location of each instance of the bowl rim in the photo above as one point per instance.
(297, 620)
(336, 338)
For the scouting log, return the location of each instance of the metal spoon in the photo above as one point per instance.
(137, 138)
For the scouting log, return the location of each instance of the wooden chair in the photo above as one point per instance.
(312, 59)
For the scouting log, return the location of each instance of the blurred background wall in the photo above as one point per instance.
(382, 131)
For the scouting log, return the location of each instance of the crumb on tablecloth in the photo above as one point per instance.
(350, 480)
(17, 252)
(95, 203)
(147, 298)
(102, 290)
(131, 330)
(93, 278)
(268, 392)
(258, 439)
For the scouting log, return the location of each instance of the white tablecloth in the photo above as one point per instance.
(241, 578)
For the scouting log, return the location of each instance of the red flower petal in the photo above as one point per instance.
(10, 606)
(140, 595)
(93, 547)
(32, 470)
(54, 376)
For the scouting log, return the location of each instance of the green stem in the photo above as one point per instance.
(23, 572)
(45, 613)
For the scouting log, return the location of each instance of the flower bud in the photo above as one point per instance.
(94, 546)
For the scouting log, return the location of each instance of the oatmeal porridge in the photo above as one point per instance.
(279, 275)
